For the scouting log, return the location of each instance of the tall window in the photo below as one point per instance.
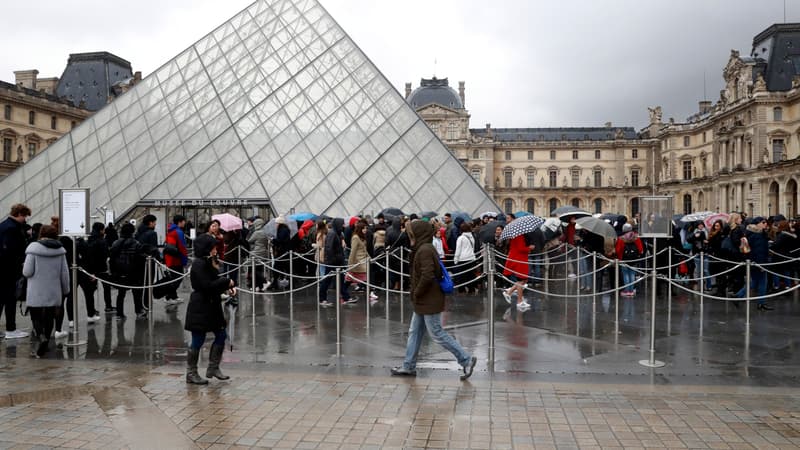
(32, 149)
(529, 205)
(597, 154)
(686, 141)
(508, 205)
(32, 118)
(777, 114)
(634, 206)
(635, 153)
(435, 128)
(530, 180)
(576, 174)
(635, 178)
(507, 175)
(576, 203)
(52, 122)
(530, 155)
(704, 137)
(598, 178)
(476, 154)
(777, 150)
(598, 206)
(7, 112)
(476, 174)
(553, 175)
(452, 131)
(552, 155)
(508, 155)
(574, 154)
(7, 149)
(553, 204)
(687, 204)
(687, 169)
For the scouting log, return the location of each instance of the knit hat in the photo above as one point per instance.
(627, 227)
(280, 219)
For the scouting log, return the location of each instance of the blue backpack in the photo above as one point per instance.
(445, 283)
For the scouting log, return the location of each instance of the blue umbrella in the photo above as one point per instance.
(519, 214)
(303, 216)
(466, 216)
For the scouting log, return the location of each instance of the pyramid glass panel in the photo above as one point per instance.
(277, 103)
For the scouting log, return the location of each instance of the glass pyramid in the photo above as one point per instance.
(277, 103)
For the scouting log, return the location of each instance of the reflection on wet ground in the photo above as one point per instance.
(572, 337)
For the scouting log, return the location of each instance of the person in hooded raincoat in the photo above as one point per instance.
(428, 301)
(204, 313)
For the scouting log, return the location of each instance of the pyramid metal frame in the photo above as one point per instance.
(276, 103)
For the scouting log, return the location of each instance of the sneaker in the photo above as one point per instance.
(120, 317)
(176, 300)
(507, 314)
(469, 368)
(172, 301)
(60, 334)
(506, 296)
(403, 372)
(325, 304)
(93, 319)
(16, 334)
(110, 310)
(72, 324)
(350, 301)
(523, 306)
(373, 296)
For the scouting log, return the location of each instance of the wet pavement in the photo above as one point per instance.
(566, 375)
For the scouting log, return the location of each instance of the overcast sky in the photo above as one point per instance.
(526, 63)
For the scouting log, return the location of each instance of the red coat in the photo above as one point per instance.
(620, 246)
(517, 262)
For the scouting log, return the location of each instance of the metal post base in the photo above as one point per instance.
(655, 363)
(75, 344)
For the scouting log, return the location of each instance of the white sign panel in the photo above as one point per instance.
(656, 213)
(74, 211)
(109, 216)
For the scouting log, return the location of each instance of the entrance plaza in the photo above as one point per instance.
(566, 374)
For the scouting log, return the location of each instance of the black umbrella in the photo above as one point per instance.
(567, 209)
(487, 231)
(615, 220)
(523, 225)
(428, 214)
(395, 212)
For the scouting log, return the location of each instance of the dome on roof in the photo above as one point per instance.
(436, 91)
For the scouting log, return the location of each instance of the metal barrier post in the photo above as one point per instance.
(149, 284)
(239, 261)
(368, 291)
(747, 295)
(386, 252)
(578, 271)
(594, 273)
(488, 261)
(616, 296)
(702, 290)
(75, 336)
(566, 269)
(338, 312)
(402, 274)
(652, 362)
(253, 284)
(291, 286)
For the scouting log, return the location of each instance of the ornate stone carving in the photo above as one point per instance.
(761, 85)
(655, 114)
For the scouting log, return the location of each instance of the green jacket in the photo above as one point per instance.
(426, 296)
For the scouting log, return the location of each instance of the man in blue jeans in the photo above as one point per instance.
(428, 301)
(759, 254)
(334, 257)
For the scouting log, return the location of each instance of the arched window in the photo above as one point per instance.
(530, 205)
(687, 203)
(576, 202)
(508, 206)
(598, 206)
(552, 204)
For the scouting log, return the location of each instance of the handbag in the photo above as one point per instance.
(744, 247)
(21, 289)
(172, 250)
(445, 283)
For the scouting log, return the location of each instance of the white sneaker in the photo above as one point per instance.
(60, 334)
(523, 306)
(506, 296)
(373, 297)
(92, 319)
(72, 324)
(16, 334)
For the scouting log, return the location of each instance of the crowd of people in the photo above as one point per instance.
(35, 263)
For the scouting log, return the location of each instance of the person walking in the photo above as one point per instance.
(334, 258)
(147, 236)
(127, 269)
(358, 259)
(13, 241)
(93, 258)
(756, 238)
(259, 249)
(204, 313)
(47, 276)
(428, 301)
(176, 261)
(629, 248)
(517, 269)
(464, 258)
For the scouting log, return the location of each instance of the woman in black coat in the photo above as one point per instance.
(204, 313)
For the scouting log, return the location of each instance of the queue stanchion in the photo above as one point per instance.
(702, 290)
(291, 286)
(368, 291)
(566, 270)
(669, 289)
(402, 275)
(239, 261)
(578, 272)
(652, 362)
(338, 312)
(747, 269)
(319, 280)
(75, 341)
(253, 283)
(488, 261)
(149, 284)
(386, 269)
(616, 299)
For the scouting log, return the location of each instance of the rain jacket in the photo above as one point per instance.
(258, 239)
(204, 312)
(358, 253)
(759, 245)
(426, 296)
(334, 253)
(627, 238)
(47, 273)
(176, 237)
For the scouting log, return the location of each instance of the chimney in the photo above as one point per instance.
(461, 93)
(489, 130)
(137, 77)
(705, 106)
(26, 78)
(408, 90)
(608, 124)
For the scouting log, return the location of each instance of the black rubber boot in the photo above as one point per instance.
(214, 358)
(192, 377)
